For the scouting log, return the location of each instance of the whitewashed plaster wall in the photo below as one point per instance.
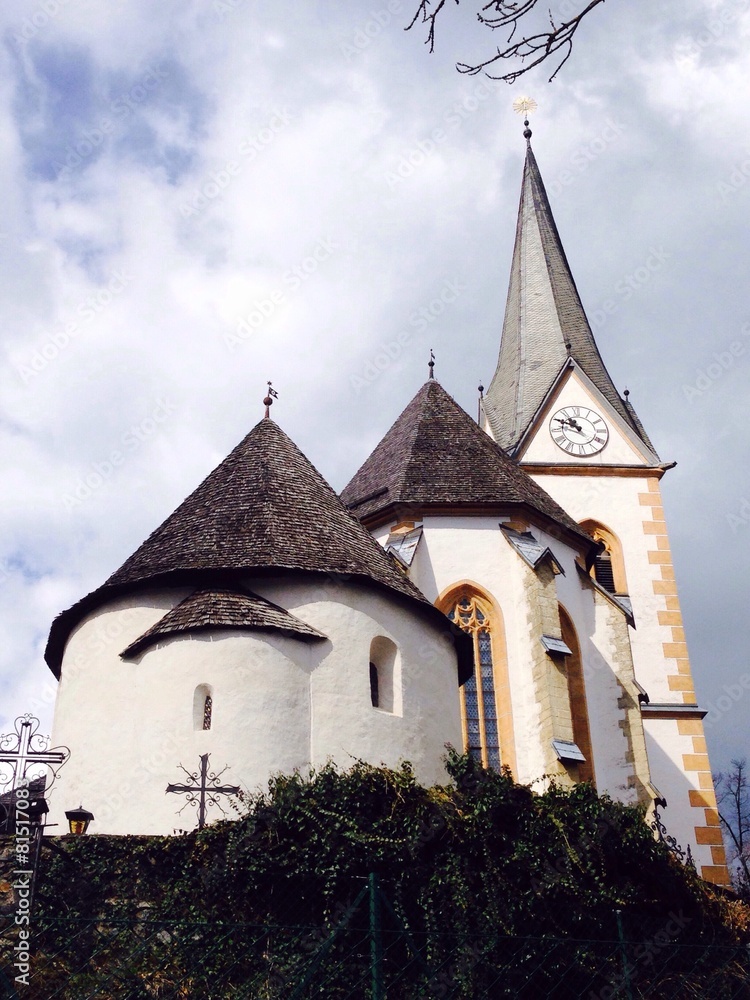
(601, 644)
(278, 703)
(665, 749)
(613, 501)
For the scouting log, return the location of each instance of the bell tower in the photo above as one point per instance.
(554, 408)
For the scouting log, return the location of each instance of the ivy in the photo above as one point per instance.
(481, 855)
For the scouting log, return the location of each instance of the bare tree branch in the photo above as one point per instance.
(530, 50)
(733, 798)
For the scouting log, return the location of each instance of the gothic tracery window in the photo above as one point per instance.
(478, 698)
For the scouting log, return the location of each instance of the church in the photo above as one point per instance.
(504, 585)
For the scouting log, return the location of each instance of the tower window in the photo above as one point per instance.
(208, 705)
(603, 572)
(609, 567)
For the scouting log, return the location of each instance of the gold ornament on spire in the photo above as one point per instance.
(524, 106)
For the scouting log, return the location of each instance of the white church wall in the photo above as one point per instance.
(665, 749)
(603, 648)
(425, 706)
(614, 502)
(278, 703)
(473, 550)
(131, 723)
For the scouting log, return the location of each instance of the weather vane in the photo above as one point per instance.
(268, 401)
(525, 106)
(431, 363)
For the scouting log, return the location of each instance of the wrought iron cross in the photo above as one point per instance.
(203, 789)
(24, 755)
(23, 749)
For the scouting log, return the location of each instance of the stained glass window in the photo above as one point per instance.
(478, 700)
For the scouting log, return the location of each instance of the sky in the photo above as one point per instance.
(204, 195)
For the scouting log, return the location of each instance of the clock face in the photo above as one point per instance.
(579, 430)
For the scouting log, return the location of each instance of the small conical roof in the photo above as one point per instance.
(543, 315)
(436, 455)
(265, 507)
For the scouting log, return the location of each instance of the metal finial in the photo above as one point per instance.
(268, 401)
(626, 394)
(525, 106)
(480, 389)
(431, 363)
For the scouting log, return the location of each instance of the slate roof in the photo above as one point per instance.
(543, 313)
(207, 610)
(435, 454)
(264, 508)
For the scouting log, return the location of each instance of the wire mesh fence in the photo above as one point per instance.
(364, 950)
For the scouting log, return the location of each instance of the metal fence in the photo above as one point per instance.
(364, 950)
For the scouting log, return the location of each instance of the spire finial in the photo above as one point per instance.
(525, 106)
(268, 401)
(626, 394)
(480, 390)
(431, 363)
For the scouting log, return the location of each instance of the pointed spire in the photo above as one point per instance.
(545, 324)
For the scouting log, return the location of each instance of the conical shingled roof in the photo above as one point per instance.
(543, 314)
(436, 455)
(209, 610)
(265, 507)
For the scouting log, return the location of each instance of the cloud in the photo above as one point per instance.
(290, 129)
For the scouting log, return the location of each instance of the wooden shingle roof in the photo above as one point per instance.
(209, 610)
(265, 508)
(435, 455)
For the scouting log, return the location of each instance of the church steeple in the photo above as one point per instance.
(545, 329)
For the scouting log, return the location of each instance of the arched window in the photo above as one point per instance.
(579, 712)
(609, 567)
(385, 675)
(485, 697)
(203, 707)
